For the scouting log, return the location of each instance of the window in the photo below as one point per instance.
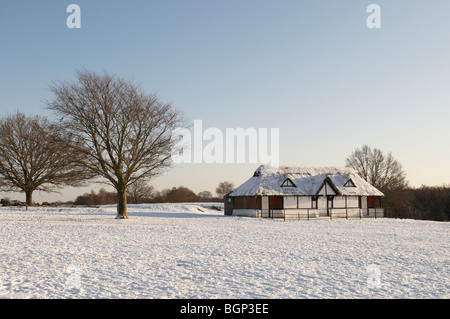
(373, 202)
(314, 201)
(349, 183)
(288, 183)
(247, 202)
(238, 202)
(330, 201)
(276, 202)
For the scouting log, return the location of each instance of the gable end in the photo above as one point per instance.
(327, 188)
(288, 183)
(349, 183)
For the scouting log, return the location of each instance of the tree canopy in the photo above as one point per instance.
(35, 156)
(382, 171)
(123, 134)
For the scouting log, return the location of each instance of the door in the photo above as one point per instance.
(275, 206)
(329, 204)
(264, 206)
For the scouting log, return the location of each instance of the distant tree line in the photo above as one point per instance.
(142, 193)
(103, 197)
(425, 202)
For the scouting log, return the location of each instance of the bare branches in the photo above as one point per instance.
(33, 155)
(383, 172)
(224, 188)
(123, 134)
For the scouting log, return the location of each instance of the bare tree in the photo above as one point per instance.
(224, 188)
(140, 191)
(123, 134)
(205, 195)
(33, 156)
(383, 172)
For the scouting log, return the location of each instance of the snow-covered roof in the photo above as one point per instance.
(308, 181)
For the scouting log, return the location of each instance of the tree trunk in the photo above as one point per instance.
(122, 203)
(29, 198)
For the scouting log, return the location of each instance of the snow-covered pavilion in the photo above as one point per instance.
(305, 192)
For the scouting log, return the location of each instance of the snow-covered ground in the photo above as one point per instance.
(190, 251)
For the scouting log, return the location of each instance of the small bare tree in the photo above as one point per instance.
(123, 134)
(383, 172)
(33, 156)
(205, 195)
(224, 188)
(140, 191)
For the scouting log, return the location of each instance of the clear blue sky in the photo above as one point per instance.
(310, 68)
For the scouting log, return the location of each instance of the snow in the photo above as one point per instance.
(193, 251)
(267, 180)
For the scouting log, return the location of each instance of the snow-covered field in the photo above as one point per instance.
(189, 251)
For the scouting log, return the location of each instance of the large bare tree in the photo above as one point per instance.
(382, 171)
(123, 134)
(33, 156)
